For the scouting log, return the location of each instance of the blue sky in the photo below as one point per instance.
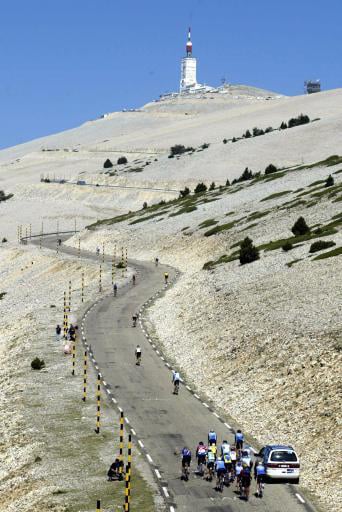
(64, 62)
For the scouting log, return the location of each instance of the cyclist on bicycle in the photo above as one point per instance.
(260, 477)
(227, 459)
(186, 461)
(134, 319)
(212, 437)
(156, 261)
(246, 457)
(115, 289)
(245, 480)
(201, 454)
(238, 471)
(175, 381)
(166, 277)
(233, 456)
(220, 469)
(133, 279)
(239, 440)
(225, 447)
(210, 464)
(138, 355)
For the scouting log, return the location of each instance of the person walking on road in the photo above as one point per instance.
(133, 279)
(115, 289)
(58, 332)
(166, 277)
(134, 319)
(97, 251)
(175, 381)
(156, 261)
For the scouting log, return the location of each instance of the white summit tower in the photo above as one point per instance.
(188, 70)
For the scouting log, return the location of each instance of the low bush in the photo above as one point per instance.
(179, 149)
(225, 141)
(248, 252)
(297, 121)
(271, 169)
(320, 245)
(122, 160)
(212, 186)
(3, 196)
(247, 135)
(200, 187)
(108, 164)
(300, 227)
(37, 364)
(185, 192)
(257, 132)
(227, 183)
(245, 176)
(287, 246)
(234, 139)
(121, 264)
(4, 240)
(283, 126)
(205, 145)
(329, 181)
(144, 205)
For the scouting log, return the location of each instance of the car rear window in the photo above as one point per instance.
(283, 456)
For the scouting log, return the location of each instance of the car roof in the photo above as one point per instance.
(280, 447)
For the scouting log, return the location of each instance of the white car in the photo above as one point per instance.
(281, 461)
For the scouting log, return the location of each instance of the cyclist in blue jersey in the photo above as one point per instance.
(260, 477)
(221, 470)
(239, 440)
(186, 461)
(212, 437)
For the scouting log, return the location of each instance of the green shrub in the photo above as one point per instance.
(247, 135)
(108, 164)
(245, 176)
(4, 240)
(144, 205)
(234, 139)
(3, 196)
(205, 145)
(271, 169)
(37, 364)
(257, 132)
(212, 186)
(122, 160)
(121, 264)
(287, 246)
(200, 187)
(269, 129)
(297, 121)
(329, 181)
(227, 183)
(179, 149)
(185, 192)
(320, 245)
(225, 141)
(300, 227)
(248, 252)
(283, 126)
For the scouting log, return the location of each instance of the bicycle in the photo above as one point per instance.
(176, 388)
(220, 482)
(260, 488)
(185, 472)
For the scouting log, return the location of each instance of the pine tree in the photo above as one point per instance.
(300, 227)
(248, 252)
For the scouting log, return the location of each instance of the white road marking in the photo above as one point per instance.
(162, 358)
(127, 420)
(104, 383)
(188, 387)
(172, 509)
(196, 396)
(121, 410)
(133, 432)
(300, 498)
(215, 414)
(141, 443)
(253, 449)
(96, 367)
(167, 364)
(100, 375)
(165, 491)
(149, 458)
(114, 401)
(228, 426)
(157, 473)
(205, 405)
(157, 351)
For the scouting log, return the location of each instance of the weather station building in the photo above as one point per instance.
(188, 82)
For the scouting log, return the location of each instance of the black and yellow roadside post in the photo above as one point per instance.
(98, 397)
(126, 262)
(79, 248)
(57, 228)
(122, 261)
(41, 236)
(75, 226)
(30, 231)
(26, 234)
(113, 270)
(98, 505)
(69, 297)
(57, 246)
(103, 252)
(121, 442)
(82, 287)
(100, 279)
(18, 234)
(127, 490)
(85, 369)
(73, 352)
(65, 318)
(129, 465)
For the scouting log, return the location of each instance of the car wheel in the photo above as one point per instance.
(296, 481)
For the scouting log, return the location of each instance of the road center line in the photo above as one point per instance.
(298, 496)
(165, 491)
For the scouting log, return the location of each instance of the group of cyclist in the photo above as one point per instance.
(229, 462)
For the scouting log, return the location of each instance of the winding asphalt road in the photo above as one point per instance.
(163, 423)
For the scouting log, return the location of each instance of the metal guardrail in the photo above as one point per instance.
(23, 239)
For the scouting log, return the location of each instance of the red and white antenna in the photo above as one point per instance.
(189, 44)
